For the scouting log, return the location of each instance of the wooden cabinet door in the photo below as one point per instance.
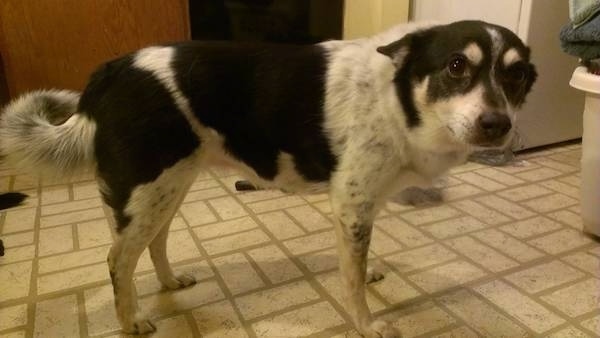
(58, 43)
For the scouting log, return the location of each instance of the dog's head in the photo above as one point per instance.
(462, 82)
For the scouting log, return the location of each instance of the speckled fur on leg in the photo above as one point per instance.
(150, 209)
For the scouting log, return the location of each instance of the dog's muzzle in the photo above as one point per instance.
(492, 129)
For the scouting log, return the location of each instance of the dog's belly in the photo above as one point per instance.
(287, 178)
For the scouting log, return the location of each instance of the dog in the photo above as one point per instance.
(360, 119)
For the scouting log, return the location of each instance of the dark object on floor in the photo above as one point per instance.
(1, 248)
(11, 199)
(245, 186)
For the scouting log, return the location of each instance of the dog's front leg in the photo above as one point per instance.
(355, 211)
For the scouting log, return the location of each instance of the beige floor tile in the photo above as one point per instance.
(15, 280)
(13, 316)
(446, 276)
(275, 204)
(481, 212)
(562, 188)
(260, 195)
(72, 259)
(19, 220)
(61, 208)
(530, 227)
(100, 310)
(538, 174)
(544, 276)
(85, 190)
(309, 218)
(234, 242)
(481, 254)
(524, 192)
(166, 303)
(218, 320)
(321, 260)
(406, 234)
(584, 261)
(173, 327)
(197, 213)
(280, 225)
(526, 310)
(480, 181)
(422, 321)
(72, 278)
(577, 299)
(461, 191)
(72, 217)
(431, 214)
(382, 243)
(461, 332)
(550, 202)
(572, 180)
(57, 317)
(301, 322)
(56, 194)
(266, 302)
(18, 254)
(569, 332)
(16, 334)
(18, 239)
(275, 264)
(547, 162)
(238, 274)
(225, 228)
(509, 246)
(453, 227)
(420, 258)
(332, 283)
(202, 195)
(499, 176)
(227, 208)
(94, 233)
(394, 289)
(560, 241)
(592, 324)
(310, 243)
(181, 246)
(484, 318)
(55, 240)
(567, 217)
(506, 207)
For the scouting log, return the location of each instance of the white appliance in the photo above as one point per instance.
(553, 110)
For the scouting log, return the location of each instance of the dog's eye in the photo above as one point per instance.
(515, 74)
(457, 67)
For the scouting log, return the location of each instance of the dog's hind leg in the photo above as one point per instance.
(147, 214)
(158, 254)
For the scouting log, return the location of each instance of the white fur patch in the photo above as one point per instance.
(473, 53)
(511, 56)
(158, 61)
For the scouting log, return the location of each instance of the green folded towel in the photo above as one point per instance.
(581, 11)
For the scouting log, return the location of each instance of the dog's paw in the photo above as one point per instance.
(179, 282)
(381, 329)
(373, 276)
(139, 326)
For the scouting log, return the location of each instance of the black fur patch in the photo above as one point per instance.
(263, 98)
(140, 131)
(11, 199)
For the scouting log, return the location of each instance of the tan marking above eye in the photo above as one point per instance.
(511, 56)
(474, 53)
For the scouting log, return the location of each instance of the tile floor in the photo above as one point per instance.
(503, 257)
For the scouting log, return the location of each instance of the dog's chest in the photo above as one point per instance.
(431, 165)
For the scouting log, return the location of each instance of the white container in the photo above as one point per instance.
(590, 157)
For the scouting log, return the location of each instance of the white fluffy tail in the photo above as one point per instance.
(42, 133)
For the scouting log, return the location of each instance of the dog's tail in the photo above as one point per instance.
(42, 132)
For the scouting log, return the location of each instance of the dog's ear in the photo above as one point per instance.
(398, 50)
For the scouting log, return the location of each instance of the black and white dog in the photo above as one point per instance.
(360, 119)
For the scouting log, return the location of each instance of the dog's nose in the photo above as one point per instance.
(494, 125)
